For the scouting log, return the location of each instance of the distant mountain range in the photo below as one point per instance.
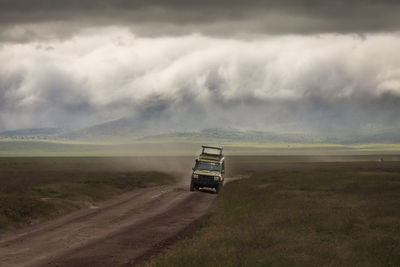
(234, 135)
(134, 129)
(124, 130)
(31, 132)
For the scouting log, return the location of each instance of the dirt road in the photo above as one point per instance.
(116, 232)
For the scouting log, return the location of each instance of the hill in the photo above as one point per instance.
(127, 130)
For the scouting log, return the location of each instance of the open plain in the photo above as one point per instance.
(123, 211)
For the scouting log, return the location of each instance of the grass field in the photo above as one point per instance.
(299, 214)
(48, 148)
(292, 210)
(35, 189)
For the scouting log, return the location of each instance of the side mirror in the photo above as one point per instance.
(223, 171)
(193, 169)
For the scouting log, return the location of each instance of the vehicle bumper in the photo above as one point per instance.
(205, 182)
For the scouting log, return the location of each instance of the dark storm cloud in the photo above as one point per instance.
(55, 18)
(55, 99)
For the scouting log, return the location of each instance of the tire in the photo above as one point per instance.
(191, 186)
(218, 188)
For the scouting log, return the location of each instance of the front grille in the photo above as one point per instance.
(206, 178)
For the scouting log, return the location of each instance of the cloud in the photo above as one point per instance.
(43, 19)
(317, 81)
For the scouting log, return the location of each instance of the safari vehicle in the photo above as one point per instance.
(209, 170)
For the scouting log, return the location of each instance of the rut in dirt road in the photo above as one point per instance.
(117, 232)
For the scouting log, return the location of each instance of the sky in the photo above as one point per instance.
(287, 65)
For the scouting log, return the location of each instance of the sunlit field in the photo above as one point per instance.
(28, 148)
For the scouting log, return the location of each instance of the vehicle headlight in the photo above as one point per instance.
(195, 176)
(217, 178)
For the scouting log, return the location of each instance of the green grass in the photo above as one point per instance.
(36, 189)
(310, 214)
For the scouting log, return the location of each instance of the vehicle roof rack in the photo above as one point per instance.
(211, 156)
(214, 147)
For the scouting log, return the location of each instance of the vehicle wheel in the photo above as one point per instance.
(191, 187)
(217, 188)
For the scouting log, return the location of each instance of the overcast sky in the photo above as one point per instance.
(255, 64)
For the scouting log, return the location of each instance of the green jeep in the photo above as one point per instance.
(209, 170)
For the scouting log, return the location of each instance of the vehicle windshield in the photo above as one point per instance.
(209, 166)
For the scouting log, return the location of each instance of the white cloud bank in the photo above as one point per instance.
(107, 73)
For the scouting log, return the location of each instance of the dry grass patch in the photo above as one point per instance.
(35, 189)
(323, 216)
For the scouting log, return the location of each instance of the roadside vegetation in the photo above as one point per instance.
(35, 189)
(300, 214)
